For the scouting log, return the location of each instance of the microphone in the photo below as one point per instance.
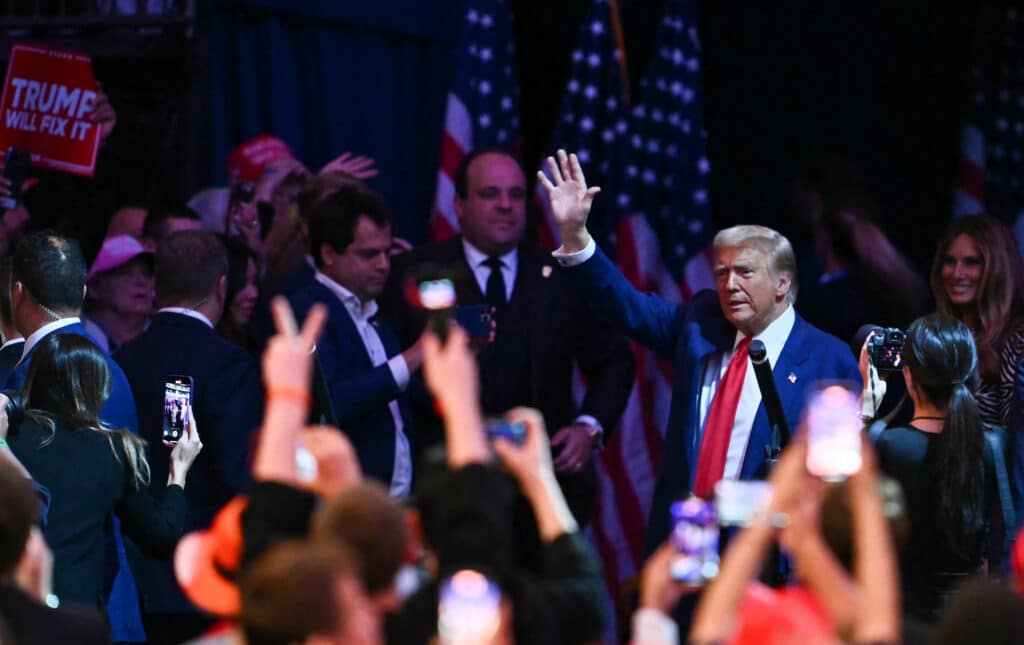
(770, 395)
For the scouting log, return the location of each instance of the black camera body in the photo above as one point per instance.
(885, 349)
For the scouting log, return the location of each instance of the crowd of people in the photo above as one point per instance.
(384, 444)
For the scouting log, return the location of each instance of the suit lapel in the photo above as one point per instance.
(790, 382)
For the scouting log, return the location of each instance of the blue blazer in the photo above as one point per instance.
(118, 410)
(689, 334)
(359, 391)
(227, 399)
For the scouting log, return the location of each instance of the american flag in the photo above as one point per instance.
(991, 175)
(483, 106)
(653, 216)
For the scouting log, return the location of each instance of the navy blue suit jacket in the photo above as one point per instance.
(360, 392)
(118, 410)
(9, 357)
(227, 400)
(689, 334)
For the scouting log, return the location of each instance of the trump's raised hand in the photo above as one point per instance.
(570, 199)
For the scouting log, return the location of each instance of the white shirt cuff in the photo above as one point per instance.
(651, 627)
(586, 419)
(400, 371)
(575, 259)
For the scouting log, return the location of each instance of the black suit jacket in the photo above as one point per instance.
(9, 357)
(558, 330)
(88, 478)
(32, 623)
(227, 400)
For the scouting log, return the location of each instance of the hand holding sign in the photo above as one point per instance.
(52, 108)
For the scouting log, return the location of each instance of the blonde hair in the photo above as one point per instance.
(773, 244)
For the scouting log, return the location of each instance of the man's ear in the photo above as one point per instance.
(783, 283)
(327, 254)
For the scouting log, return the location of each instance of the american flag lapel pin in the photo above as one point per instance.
(792, 377)
(546, 270)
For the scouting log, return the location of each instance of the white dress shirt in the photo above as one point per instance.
(774, 338)
(509, 266)
(38, 334)
(401, 477)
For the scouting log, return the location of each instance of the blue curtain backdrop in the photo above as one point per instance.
(334, 75)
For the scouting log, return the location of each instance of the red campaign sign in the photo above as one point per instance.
(49, 95)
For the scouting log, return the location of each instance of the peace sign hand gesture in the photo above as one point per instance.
(570, 199)
(288, 359)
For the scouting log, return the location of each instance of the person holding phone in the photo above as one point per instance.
(543, 327)
(91, 469)
(941, 461)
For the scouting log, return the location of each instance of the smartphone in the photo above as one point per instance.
(695, 538)
(469, 608)
(738, 502)
(833, 420)
(512, 431)
(475, 319)
(17, 164)
(177, 399)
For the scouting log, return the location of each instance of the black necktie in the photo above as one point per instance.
(495, 283)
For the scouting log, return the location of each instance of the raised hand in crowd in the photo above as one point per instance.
(335, 464)
(570, 199)
(451, 372)
(274, 176)
(184, 452)
(874, 383)
(359, 166)
(103, 115)
(287, 374)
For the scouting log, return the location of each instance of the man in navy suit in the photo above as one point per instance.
(755, 278)
(227, 401)
(47, 289)
(365, 371)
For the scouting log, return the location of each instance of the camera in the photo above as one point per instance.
(885, 349)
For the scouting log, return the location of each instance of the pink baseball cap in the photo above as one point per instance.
(116, 252)
(247, 161)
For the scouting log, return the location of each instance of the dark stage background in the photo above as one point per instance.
(881, 82)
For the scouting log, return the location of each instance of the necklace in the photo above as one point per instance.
(928, 419)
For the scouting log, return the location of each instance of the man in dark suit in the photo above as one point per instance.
(717, 427)
(47, 291)
(14, 344)
(24, 618)
(364, 369)
(542, 326)
(191, 282)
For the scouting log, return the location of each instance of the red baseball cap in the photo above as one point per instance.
(247, 161)
(206, 562)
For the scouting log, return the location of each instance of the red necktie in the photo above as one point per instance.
(718, 429)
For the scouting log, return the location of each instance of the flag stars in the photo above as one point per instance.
(583, 155)
(486, 20)
(590, 92)
(596, 28)
(703, 166)
(594, 60)
(484, 120)
(587, 124)
(484, 88)
(472, 16)
(485, 54)
(506, 103)
(700, 196)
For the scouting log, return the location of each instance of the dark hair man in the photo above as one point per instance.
(717, 427)
(543, 328)
(227, 401)
(364, 369)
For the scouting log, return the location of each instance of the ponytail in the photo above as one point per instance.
(960, 474)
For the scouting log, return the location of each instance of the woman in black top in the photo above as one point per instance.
(939, 461)
(89, 469)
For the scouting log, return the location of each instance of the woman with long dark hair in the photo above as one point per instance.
(978, 277)
(242, 294)
(90, 469)
(939, 460)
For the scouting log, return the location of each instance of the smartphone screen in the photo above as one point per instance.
(177, 399)
(469, 609)
(695, 538)
(512, 431)
(17, 164)
(738, 502)
(833, 432)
